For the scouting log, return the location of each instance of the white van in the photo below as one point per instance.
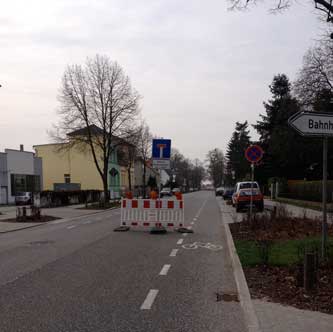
(23, 198)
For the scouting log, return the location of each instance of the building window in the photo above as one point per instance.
(24, 183)
(67, 178)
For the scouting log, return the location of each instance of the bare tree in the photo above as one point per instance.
(99, 107)
(197, 173)
(324, 6)
(216, 166)
(315, 79)
(144, 144)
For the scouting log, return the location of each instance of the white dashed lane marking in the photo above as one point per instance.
(192, 223)
(72, 226)
(180, 241)
(148, 302)
(173, 252)
(165, 270)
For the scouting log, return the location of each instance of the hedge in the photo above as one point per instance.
(308, 190)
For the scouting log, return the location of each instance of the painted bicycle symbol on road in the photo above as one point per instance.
(208, 245)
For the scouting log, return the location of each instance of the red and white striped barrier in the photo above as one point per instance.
(149, 213)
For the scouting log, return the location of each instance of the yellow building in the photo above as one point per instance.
(68, 165)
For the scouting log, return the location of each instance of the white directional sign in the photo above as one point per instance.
(312, 124)
(161, 163)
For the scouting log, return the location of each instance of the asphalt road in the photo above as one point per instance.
(82, 276)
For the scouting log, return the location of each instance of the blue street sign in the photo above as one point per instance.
(161, 148)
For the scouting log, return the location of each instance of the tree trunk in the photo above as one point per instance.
(105, 184)
(129, 178)
(144, 179)
(106, 190)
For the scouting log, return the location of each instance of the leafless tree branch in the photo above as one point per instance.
(280, 5)
(316, 75)
(97, 98)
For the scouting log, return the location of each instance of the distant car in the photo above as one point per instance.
(219, 191)
(227, 194)
(176, 190)
(166, 192)
(242, 196)
(23, 198)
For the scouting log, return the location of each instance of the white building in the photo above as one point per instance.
(20, 171)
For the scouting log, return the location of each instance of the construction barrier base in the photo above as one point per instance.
(184, 230)
(121, 229)
(158, 230)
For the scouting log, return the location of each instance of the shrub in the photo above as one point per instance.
(308, 190)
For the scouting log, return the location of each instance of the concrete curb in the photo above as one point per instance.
(59, 221)
(19, 229)
(243, 290)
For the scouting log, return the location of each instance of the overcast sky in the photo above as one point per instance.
(199, 67)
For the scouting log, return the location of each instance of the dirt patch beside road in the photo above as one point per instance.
(279, 284)
(271, 250)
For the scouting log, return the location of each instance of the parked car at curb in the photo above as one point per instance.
(219, 191)
(227, 194)
(23, 198)
(176, 190)
(166, 192)
(242, 196)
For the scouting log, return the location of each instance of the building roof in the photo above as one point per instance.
(84, 131)
(95, 130)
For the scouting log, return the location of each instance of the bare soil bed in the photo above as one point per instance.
(282, 282)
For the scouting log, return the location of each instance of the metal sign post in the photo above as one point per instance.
(317, 125)
(252, 180)
(324, 224)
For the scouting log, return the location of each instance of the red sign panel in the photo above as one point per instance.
(254, 153)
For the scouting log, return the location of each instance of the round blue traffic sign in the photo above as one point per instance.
(254, 153)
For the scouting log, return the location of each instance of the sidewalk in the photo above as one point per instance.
(65, 212)
(6, 227)
(69, 211)
(274, 317)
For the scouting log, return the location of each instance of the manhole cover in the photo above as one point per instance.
(40, 243)
(226, 297)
